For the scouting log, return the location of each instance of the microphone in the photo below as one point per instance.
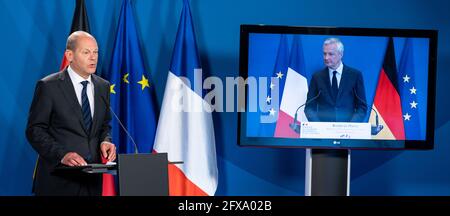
(128, 134)
(121, 125)
(375, 130)
(294, 126)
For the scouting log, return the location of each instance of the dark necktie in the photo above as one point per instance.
(334, 85)
(85, 107)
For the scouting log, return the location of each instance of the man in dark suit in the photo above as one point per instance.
(338, 89)
(68, 123)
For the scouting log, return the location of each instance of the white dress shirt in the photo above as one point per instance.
(338, 74)
(76, 81)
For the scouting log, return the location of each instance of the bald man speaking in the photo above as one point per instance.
(69, 122)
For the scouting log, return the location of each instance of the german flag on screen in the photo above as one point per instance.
(387, 100)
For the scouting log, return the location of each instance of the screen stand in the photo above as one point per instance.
(327, 172)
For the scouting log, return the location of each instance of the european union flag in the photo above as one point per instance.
(132, 92)
(409, 92)
(275, 89)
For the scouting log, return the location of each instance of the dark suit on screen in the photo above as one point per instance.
(55, 127)
(346, 107)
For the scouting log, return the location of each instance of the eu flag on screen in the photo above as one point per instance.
(132, 91)
(277, 87)
(281, 67)
(409, 92)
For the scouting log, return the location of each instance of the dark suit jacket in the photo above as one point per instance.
(55, 127)
(347, 107)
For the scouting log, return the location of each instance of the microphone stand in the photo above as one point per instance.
(294, 126)
(123, 127)
(374, 129)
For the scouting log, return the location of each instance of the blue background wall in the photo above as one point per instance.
(32, 43)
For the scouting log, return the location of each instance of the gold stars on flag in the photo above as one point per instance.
(271, 85)
(407, 117)
(272, 111)
(268, 99)
(280, 75)
(125, 78)
(111, 88)
(144, 82)
(413, 90)
(406, 78)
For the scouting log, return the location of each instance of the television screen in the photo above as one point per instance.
(324, 87)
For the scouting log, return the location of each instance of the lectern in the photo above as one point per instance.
(143, 174)
(138, 174)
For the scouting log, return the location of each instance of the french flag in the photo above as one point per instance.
(294, 93)
(187, 135)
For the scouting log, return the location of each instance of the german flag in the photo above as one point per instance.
(387, 100)
(80, 22)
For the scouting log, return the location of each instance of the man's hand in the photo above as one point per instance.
(73, 159)
(108, 150)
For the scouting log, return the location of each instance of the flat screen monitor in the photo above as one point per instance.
(331, 87)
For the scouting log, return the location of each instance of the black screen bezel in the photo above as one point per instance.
(426, 144)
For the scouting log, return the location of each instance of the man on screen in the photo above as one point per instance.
(68, 123)
(336, 93)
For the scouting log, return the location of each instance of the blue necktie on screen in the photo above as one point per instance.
(85, 107)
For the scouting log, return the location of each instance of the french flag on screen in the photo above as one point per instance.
(294, 92)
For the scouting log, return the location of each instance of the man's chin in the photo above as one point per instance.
(331, 66)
